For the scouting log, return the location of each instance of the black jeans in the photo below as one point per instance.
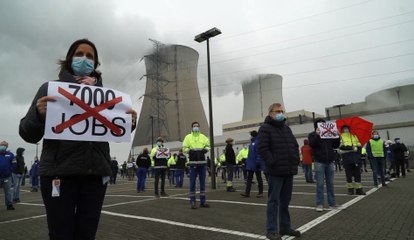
(250, 179)
(74, 215)
(400, 165)
(159, 172)
(352, 171)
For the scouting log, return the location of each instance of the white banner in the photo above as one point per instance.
(328, 130)
(87, 113)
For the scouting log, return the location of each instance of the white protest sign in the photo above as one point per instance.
(87, 113)
(328, 130)
(162, 153)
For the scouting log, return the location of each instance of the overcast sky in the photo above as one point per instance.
(328, 51)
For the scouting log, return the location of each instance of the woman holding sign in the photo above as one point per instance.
(73, 173)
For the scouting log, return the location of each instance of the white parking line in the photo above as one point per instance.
(187, 225)
(23, 219)
(324, 217)
(304, 228)
(32, 204)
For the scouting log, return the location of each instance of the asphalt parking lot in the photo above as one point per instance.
(384, 213)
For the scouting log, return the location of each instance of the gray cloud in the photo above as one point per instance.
(36, 34)
(281, 37)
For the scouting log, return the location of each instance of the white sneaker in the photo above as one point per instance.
(336, 207)
(319, 208)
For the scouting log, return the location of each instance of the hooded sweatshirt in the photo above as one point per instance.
(19, 169)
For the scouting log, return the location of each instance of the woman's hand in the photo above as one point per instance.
(133, 115)
(41, 105)
(86, 80)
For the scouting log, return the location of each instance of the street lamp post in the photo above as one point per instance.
(37, 145)
(205, 36)
(339, 108)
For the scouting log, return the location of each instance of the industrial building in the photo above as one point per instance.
(172, 101)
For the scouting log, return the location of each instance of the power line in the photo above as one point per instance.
(321, 82)
(311, 43)
(319, 57)
(310, 71)
(319, 33)
(292, 21)
(301, 45)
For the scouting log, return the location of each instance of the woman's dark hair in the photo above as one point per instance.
(67, 63)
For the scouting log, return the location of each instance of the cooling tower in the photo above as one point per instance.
(259, 93)
(172, 99)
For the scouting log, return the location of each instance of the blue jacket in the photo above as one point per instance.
(7, 164)
(254, 162)
(34, 171)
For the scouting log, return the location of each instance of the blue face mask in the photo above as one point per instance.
(279, 117)
(196, 129)
(159, 144)
(376, 136)
(346, 130)
(3, 148)
(82, 66)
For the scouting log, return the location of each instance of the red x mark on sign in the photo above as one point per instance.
(329, 129)
(163, 152)
(88, 112)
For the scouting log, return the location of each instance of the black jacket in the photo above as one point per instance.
(143, 161)
(230, 155)
(64, 157)
(19, 169)
(323, 149)
(398, 149)
(278, 148)
(180, 161)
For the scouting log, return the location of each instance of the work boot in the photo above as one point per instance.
(245, 195)
(359, 191)
(10, 207)
(350, 191)
(260, 195)
(204, 205)
(273, 236)
(231, 189)
(193, 206)
(290, 232)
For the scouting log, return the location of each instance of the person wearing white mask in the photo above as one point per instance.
(376, 154)
(159, 158)
(351, 154)
(7, 164)
(197, 145)
(73, 174)
(279, 150)
(399, 150)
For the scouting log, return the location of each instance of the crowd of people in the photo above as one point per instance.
(74, 174)
(13, 174)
